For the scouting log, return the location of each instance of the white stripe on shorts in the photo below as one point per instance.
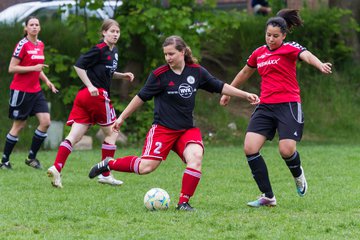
(149, 140)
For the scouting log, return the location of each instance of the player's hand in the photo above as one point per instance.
(93, 91)
(128, 76)
(40, 67)
(117, 124)
(326, 68)
(224, 100)
(253, 99)
(52, 87)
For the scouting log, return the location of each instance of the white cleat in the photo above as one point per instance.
(55, 176)
(301, 184)
(109, 180)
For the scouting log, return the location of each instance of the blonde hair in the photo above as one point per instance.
(180, 45)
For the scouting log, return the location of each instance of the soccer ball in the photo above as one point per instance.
(157, 199)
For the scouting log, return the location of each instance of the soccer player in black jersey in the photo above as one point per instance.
(174, 87)
(96, 68)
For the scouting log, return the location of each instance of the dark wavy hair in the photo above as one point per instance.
(286, 20)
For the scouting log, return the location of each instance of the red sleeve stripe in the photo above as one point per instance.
(194, 65)
(101, 45)
(161, 70)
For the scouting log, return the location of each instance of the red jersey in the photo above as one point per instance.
(277, 69)
(30, 54)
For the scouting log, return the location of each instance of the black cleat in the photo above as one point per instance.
(185, 207)
(6, 165)
(33, 163)
(100, 168)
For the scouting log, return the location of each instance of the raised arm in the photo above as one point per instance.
(311, 59)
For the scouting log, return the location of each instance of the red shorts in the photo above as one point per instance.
(160, 140)
(92, 110)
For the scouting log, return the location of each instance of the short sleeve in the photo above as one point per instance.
(20, 50)
(210, 83)
(89, 58)
(151, 88)
(252, 60)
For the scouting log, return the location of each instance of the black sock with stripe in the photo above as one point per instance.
(260, 173)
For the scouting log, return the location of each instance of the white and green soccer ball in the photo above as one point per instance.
(157, 199)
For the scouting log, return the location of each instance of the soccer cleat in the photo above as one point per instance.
(263, 201)
(100, 168)
(301, 184)
(33, 163)
(185, 206)
(6, 165)
(55, 176)
(109, 180)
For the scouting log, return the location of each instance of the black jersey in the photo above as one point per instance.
(175, 94)
(100, 64)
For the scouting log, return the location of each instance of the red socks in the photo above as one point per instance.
(63, 153)
(126, 164)
(190, 181)
(107, 150)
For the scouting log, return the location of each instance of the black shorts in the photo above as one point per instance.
(286, 118)
(23, 104)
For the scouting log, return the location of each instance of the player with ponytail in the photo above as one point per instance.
(173, 87)
(280, 103)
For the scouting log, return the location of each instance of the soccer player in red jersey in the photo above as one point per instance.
(173, 87)
(26, 97)
(280, 103)
(96, 68)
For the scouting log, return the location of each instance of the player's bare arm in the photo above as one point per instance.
(232, 91)
(239, 79)
(124, 76)
(135, 103)
(14, 67)
(311, 59)
(50, 85)
(84, 78)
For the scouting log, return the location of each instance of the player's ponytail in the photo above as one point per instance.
(189, 58)
(286, 20)
(292, 18)
(180, 45)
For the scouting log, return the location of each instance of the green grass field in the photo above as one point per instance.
(32, 209)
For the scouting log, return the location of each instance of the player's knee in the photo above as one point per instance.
(249, 149)
(194, 160)
(44, 124)
(148, 166)
(286, 151)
